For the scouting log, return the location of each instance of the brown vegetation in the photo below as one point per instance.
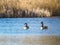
(28, 8)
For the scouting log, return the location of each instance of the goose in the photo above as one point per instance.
(26, 26)
(43, 27)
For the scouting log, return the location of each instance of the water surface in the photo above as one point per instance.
(15, 26)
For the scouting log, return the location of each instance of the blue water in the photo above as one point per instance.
(15, 26)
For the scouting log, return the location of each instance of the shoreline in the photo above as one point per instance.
(30, 40)
(33, 17)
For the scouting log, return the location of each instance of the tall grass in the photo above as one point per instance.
(9, 6)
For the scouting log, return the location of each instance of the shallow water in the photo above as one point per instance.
(15, 26)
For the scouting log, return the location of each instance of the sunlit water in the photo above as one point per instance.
(15, 26)
(32, 36)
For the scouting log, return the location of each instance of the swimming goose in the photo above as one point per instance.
(43, 27)
(26, 26)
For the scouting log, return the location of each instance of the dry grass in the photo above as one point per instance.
(52, 5)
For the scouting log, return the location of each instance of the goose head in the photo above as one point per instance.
(42, 24)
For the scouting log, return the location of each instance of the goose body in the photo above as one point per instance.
(25, 26)
(42, 26)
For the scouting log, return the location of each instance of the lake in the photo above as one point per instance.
(15, 26)
(12, 32)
